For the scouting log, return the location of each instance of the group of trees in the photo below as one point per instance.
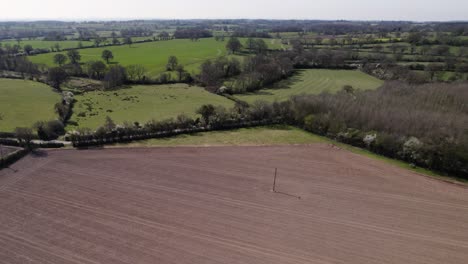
(422, 124)
(214, 72)
(192, 33)
(10, 62)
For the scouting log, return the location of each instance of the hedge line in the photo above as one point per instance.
(81, 141)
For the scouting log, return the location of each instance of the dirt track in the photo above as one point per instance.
(214, 205)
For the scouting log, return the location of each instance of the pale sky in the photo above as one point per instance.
(417, 10)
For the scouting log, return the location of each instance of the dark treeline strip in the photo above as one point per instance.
(192, 33)
(29, 145)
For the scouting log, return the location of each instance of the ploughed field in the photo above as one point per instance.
(215, 205)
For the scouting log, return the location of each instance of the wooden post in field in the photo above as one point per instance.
(1, 157)
(274, 180)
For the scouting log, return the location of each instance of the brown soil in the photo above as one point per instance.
(215, 205)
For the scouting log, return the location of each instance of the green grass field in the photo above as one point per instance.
(153, 55)
(141, 103)
(23, 103)
(269, 135)
(314, 81)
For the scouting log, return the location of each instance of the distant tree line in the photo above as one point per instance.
(192, 33)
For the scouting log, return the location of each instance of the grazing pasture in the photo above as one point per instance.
(216, 205)
(314, 81)
(23, 103)
(154, 55)
(141, 103)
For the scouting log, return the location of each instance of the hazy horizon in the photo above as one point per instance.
(358, 10)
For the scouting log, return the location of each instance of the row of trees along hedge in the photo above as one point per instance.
(212, 118)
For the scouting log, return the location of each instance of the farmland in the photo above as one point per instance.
(23, 103)
(256, 136)
(153, 55)
(215, 205)
(314, 81)
(141, 103)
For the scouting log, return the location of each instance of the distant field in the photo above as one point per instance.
(153, 55)
(42, 44)
(269, 135)
(314, 82)
(141, 103)
(22, 103)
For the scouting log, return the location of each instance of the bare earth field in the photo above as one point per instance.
(215, 205)
(7, 150)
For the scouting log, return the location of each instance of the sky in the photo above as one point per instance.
(414, 10)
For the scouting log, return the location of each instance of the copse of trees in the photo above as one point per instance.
(192, 33)
(258, 46)
(95, 69)
(233, 45)
(116, 76)
(213, 72)
(422, 124)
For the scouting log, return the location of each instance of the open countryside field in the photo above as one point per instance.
(215, 205)
(142, 103)
(23, 103)
(153, 55)
(255, 136)
(314, 81)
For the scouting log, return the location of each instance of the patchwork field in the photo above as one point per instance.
(215, 205)
(23, 103)
(153, 55)
(141, 103)
(314, 81)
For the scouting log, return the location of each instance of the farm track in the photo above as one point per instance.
(214, 205)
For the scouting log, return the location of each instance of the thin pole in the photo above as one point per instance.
(1, 156)
(274, 180)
